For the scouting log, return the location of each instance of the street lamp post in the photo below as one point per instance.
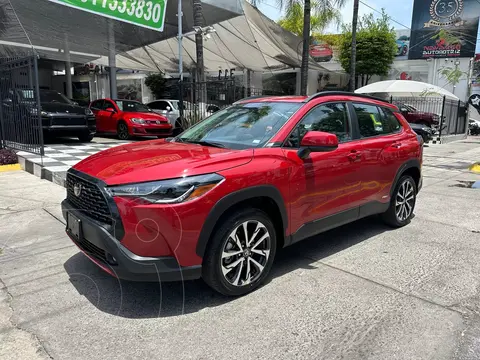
(180, 57)
(353, 58)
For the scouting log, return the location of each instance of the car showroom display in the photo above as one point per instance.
(128, 118)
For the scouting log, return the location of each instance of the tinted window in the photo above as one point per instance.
(49, 96)
(370, 121)
(331, 118)
(391, 120)
(108, 104)
(158, 105)
(132, 106)
(98, 105)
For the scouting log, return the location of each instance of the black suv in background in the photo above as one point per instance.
(60, 116)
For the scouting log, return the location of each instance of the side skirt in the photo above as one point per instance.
(330, 222)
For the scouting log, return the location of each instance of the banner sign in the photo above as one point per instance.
(149, 14)
(444, 28)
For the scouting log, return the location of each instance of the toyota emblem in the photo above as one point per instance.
(77, 189)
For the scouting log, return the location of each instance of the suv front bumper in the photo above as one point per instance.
(110, 255)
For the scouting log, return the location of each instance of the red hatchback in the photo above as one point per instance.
(219, 200)
(128, 118)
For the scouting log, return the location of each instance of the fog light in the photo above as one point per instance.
(110, 259)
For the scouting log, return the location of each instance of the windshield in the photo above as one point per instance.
(175, 104)
(52, 97)
(132, 106)
(242, 126)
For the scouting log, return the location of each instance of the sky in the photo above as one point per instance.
(401, 11)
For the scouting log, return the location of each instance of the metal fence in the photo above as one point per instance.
(20, 120)
(202, 99)
(448, 116)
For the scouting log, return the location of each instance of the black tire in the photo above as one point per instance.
(391, 217)
(212, 263)
(178, 128)
(85, 138)
(122, 131)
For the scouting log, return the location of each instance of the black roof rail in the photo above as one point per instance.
(251, 98)
(345, 93)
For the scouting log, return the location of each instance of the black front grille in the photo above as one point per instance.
(92, 249)
(77, 120)
(90, 201)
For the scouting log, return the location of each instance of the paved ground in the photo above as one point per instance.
(363, 291)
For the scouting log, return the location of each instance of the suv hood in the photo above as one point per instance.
(158, 159)
(56, 107)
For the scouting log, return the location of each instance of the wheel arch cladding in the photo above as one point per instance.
(412, 168)
(264, 197)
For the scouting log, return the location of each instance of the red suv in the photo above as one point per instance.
(128, 118)
(219, 200)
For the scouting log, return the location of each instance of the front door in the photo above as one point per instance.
(323, 184)
(97, 109)
(110, 118)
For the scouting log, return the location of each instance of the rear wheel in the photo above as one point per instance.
(240, 253)
(402, 203)
(122, 131)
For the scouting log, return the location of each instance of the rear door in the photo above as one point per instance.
(381, 137)
(323, 184)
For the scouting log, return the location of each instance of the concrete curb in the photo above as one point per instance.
(39, 171)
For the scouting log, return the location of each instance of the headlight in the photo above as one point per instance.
(88, 112)
(138, 121)
(168, 191)
(34, 111)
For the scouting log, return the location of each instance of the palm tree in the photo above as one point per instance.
(354, 46)
(321, 8)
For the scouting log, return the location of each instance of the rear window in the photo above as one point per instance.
(375, 121)
(391, 120)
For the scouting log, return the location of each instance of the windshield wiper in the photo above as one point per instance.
(203, 143)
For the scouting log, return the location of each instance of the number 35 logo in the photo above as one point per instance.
(446, 10)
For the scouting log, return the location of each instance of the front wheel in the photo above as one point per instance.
(240, 253)
(122, 131)
(402, 203)
(85, 138)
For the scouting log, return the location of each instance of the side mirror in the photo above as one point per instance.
(110, 110)
(317, 141)
(169, 108)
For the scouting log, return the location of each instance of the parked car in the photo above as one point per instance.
(474, 127)
(170, 109)
(321, 52)
(219, 200)
(128, 118)
(60, 116)
(415, 116)
(402, 48)
(426, 132)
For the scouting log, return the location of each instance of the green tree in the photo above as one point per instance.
(157, 84)
(376, 47)
(321, 8)
(293, 19)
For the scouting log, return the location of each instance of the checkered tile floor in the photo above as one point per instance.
(61, 157)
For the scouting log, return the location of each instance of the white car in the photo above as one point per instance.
(170, 109)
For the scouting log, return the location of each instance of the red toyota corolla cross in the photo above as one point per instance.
(220, 199)
(128, 118)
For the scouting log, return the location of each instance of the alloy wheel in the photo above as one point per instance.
(246, 253)
(404, 201)
(122, 132)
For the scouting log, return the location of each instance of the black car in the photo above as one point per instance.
(60, 116)
(424, 131)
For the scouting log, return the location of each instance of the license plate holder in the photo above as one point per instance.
(74, 226)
